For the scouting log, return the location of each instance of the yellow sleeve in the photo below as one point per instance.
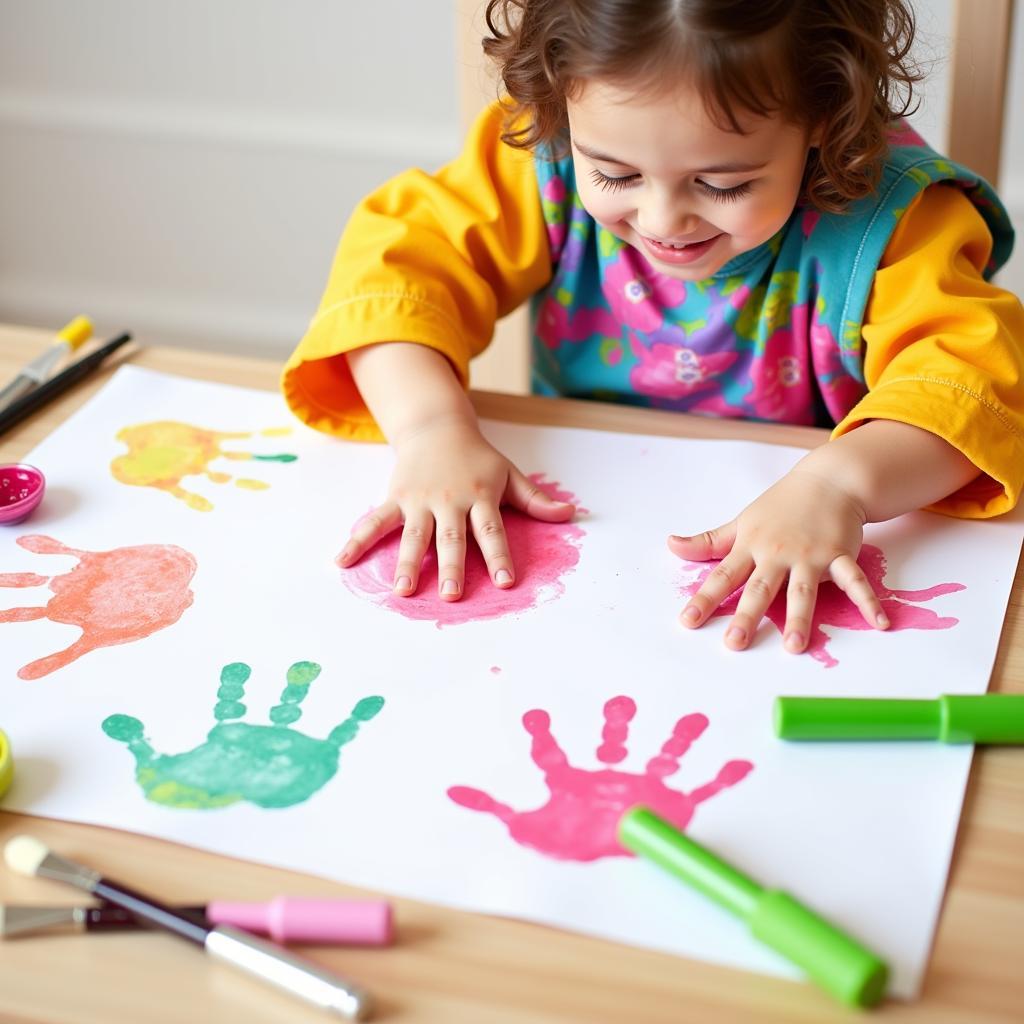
(945, 349)
(433, 259)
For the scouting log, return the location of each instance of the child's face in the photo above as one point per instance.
(659, 174)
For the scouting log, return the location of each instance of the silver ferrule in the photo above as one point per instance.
(301, 978)
(18, 388)
(27, 919)
(60, 869)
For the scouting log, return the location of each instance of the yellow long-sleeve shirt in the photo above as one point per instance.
(436, 259)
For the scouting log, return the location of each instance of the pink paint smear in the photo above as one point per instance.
(115, 597)
(580, 820)
(543, 553)
(834, 608)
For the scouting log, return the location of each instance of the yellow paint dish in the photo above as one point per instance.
(6, 764)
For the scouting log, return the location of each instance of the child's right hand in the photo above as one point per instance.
(445, 472)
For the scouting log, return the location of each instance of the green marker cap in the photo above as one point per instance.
(982, 718)
(832, 958)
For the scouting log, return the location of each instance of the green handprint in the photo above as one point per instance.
(268, 765)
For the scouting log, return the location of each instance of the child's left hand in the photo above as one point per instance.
(806, 528)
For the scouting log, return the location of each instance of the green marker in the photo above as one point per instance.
(834, 960)
(985, 718)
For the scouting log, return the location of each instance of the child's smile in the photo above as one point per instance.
(681, 252)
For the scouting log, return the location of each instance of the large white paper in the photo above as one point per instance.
(862, 833)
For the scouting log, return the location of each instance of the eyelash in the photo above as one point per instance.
(722, 195)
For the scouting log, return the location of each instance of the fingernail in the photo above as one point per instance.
(692, 613)
(346, 553)
(736, 635)
(502, 576)
(795, 642)
(403, 583)
(682, 540)
(882, 620)
(449, 587)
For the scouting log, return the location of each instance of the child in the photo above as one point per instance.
(715, 209)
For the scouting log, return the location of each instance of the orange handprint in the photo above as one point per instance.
(115, 596)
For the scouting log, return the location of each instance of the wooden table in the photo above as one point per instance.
(450, 967)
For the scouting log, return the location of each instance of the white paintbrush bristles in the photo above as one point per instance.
(24, 854)
(30, 856)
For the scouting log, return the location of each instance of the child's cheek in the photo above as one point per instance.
(607, 209)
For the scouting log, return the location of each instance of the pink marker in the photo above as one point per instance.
(324, 922)
(284, 919)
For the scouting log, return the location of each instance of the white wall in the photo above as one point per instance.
(184, 167)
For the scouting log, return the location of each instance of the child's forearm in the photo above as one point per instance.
(408, 387)
(889, 468)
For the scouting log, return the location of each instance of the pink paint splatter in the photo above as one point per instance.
(543, 554)
(495, 670)
(834, 608)
(580, 819)
(115, 596)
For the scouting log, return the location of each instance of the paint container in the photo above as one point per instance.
(6, 764)
(21, 490)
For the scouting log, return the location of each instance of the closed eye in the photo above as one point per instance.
(725, 195)
(607, 183)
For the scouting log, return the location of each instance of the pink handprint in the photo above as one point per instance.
(115, 596)
(545, 554)
(580, 819)
(834, 608)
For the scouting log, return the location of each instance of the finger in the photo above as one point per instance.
(525, 495)
(801, 597)
(758, 593)
(416, 534)
(702, 547)
(729, 575)
(490, 535)
(850, 579)
(450, 540)
(377, 523)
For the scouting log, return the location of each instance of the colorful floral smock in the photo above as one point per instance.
(883, 312)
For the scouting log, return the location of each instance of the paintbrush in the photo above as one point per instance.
(70, 337)
(30, 856)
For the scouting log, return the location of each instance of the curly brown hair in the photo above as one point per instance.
(842, 67)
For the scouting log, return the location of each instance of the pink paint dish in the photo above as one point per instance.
(21, 490)
(544, 553)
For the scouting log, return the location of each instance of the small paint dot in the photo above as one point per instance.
(495, 670)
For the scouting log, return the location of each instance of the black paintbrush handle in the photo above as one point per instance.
(151, 912)
(56, 385)
(108, 918)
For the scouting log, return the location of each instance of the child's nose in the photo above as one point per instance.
(664, 216)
